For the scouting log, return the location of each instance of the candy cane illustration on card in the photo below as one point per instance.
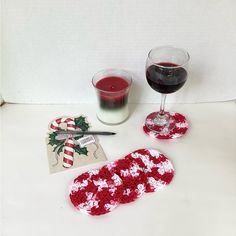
(68, 151)
(69, 143)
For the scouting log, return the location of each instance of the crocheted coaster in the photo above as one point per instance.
(158, 169)
(132, 176)
(180, 128)
(96, 192)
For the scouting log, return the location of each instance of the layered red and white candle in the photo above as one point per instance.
(113, 89)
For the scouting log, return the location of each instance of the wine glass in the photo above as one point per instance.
(166, 72)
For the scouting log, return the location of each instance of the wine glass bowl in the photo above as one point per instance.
(166, 72)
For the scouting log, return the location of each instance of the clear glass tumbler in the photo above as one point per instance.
(112, 87)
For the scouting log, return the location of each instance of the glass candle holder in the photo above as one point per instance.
(112, 87)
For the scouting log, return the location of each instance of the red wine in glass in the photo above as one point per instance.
(166, 77)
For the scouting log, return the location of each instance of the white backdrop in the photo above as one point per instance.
(52, 48)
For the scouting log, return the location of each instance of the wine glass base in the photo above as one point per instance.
(176, 126)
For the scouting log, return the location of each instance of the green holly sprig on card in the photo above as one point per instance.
(81, 123)
(58, 145)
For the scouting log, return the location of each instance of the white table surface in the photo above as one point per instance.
(200, 201)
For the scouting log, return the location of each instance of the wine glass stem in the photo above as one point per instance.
(162, 107)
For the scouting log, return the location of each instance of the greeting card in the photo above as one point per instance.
(68, 147)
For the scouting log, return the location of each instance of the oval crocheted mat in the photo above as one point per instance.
(99, 191)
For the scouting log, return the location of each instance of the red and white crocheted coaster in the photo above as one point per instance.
(157, 167)
(96, 192)
(181, 127)
(132, 176)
